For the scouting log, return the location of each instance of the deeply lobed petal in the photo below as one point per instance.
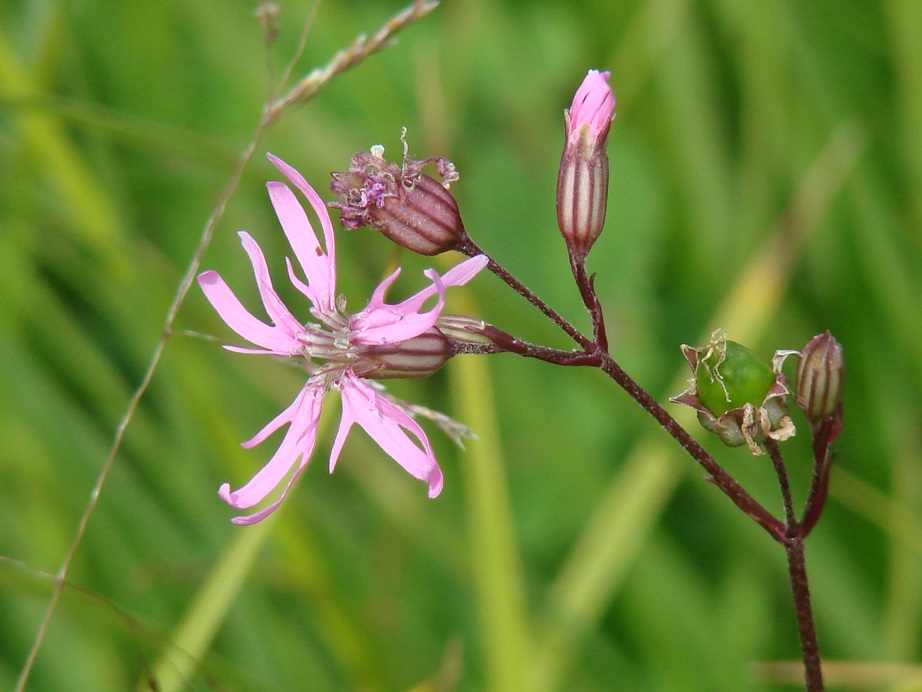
(318, 266)
(275, 339)
(296, 448)
(275, 308)
(385, 423)
(381, 323)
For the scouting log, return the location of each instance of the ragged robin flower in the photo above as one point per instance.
(342, 351)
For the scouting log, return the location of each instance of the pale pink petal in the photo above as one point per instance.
(463, 272)
(283, 418)
(326, 224)
(295, 449)
(238, 318)
(377, 298)
(385, 424)
(297, 283)
(380, 323)
(593, 104)
(253, 351)
(458, 275)
(275, 308)
(319, 267)
(391, 323)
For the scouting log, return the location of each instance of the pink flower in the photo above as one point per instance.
(340, 350)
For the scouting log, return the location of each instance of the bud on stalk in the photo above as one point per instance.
(582, 183)
(820, 373)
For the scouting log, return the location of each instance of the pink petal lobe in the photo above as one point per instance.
(458, 275)
(381, 323)
(385, 424)
(238, 318)
(317, 204)
(377, 297)
(319, 267)
(275, 308)
(295, 449)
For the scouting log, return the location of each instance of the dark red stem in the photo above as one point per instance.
(471, 249)
(797, 569)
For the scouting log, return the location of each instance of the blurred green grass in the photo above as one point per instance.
(570, 548)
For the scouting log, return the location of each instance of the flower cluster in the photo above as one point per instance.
(341, 350)
(738, 396)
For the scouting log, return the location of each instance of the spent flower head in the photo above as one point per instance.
(412, 209)
(340, 350)
(582, 182)
(738, 396)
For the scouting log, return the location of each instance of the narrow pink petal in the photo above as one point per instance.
(297, 283)
(319, 268)
(251, 351)
(380, 323)
(461, 273)
(281, 419)
(458, 275)
(388, 324)
(319, 208)
(296, 448)
(238, 318)
(385, 424)
(275, 308)
(377, 298)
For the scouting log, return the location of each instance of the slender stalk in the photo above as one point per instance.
(823, 436)
(803, 610)
(471, 249)
(590, 298)
(718, 476)
(774, 452)
(504, 343)
(599, 356)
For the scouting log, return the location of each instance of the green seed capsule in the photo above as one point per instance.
(730, 376)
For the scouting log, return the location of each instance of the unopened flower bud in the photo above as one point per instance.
(820, 373)
(412, 209)
(420, 356)
(582, 183)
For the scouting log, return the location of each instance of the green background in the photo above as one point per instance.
(573, 547)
